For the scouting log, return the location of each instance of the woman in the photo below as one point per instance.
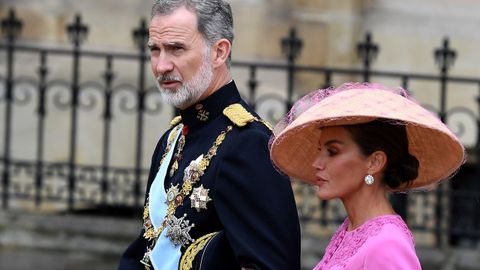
(357, 143)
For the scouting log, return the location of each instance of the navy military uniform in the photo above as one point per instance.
(248, 210)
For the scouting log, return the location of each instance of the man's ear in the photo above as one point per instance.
(377, 162)
(220, 52)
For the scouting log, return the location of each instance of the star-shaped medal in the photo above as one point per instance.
(178, 230)
(199, 198)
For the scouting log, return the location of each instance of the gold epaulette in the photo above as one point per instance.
(241, 117)
(175, 121)
(238, 115)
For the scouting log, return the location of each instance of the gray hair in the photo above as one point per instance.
(214, 17)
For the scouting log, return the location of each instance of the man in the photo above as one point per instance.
(213, 200)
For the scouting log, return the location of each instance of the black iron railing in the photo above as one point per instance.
(103, 183)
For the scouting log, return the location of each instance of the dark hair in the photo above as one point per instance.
(391, 138)
(214, 17)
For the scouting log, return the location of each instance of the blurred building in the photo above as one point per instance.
(63, 160)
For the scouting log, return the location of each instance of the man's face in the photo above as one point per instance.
(180, 58)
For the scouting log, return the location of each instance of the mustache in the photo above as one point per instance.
(168, 77)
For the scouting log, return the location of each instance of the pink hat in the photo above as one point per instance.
(293, 146)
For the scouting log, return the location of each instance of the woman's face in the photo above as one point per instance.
(340, 166)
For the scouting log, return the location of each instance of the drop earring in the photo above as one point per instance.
(369, 179)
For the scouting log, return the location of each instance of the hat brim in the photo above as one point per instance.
(437, 149)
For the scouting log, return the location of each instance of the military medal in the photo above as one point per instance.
(172, 193)
(199, 198)
(178, 230)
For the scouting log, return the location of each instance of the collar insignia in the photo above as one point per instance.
(202, 115)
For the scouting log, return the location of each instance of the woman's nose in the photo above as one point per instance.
(318, 163)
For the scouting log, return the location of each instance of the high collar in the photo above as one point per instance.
(208, 109)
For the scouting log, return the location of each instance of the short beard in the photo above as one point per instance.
(190, 91)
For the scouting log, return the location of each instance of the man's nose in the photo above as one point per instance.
(162, 65)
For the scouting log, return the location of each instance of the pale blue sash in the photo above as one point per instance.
(164, 256)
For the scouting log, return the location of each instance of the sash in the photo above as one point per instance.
(164, 256)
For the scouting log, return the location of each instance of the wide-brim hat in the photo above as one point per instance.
(294, 146)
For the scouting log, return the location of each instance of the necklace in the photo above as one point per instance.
(178, 155)
(191, 175)
(171, 138)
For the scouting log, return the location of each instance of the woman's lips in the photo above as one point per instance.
(320, 181)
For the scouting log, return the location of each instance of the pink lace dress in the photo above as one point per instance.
(384, 242)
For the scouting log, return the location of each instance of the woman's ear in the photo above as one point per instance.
(220, 52)
(377, 162)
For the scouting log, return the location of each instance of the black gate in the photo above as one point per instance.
(79, 185)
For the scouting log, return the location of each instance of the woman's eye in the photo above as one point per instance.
(332, 152)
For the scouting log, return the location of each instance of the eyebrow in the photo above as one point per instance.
(174, 43)
(151, 44)
(334, 141)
